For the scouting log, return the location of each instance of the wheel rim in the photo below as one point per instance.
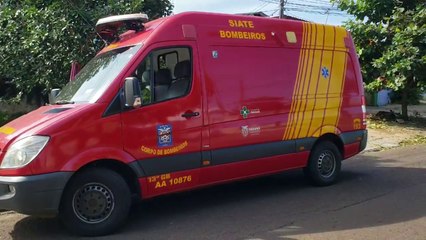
(93, 203)
(326, 164)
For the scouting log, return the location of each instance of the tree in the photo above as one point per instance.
(40, 38)
(391, 41)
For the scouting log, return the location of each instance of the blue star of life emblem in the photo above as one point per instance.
(325, 72)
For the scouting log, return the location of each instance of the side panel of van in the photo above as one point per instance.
(267, 106)
(262, 106)
(248, 101)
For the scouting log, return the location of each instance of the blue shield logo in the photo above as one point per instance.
(164, 135)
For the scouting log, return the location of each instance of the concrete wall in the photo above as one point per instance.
(16, 108)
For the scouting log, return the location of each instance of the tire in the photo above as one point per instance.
(324, 164)
(96, 202)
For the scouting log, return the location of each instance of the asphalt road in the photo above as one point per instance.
(381, 195)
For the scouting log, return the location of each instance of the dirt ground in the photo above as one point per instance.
(390, 134)
(413, 110)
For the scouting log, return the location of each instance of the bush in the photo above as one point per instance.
(5, 118)
(413, 98)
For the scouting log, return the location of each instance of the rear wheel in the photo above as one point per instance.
(96, 202)
(324, 164)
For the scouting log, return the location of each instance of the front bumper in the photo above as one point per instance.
(33, 195)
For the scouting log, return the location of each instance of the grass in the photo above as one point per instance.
(418, 139)
(377, 124)
(412, 129)
(415, 122)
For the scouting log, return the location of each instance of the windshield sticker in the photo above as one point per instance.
(164, 134)
(164, 151)
(7, 130)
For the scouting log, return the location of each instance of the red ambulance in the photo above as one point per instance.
(183, 102)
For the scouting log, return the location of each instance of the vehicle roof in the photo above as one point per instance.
(207, 27)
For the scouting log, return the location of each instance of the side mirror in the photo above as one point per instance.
(132, 93)
(75, 69)
(53, 94)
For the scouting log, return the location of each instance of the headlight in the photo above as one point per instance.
(24, 151)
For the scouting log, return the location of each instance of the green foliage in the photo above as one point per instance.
(413, 98)
(418, 139)
(391, 42)
(370, 41)
(376, 85)
(40, 38)
(5, 118)
(370, 11)
(404, 60)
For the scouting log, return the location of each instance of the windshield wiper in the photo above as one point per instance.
(63, 102)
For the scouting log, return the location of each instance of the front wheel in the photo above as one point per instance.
(96, 202)
(324, 164)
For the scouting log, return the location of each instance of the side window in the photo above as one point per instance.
(165, 74)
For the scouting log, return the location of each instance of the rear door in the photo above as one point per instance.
(164, 134)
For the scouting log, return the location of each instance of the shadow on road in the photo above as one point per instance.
(279, 205)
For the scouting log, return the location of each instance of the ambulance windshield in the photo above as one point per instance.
(92, 81)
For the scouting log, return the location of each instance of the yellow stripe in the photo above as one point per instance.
(320, 94)
(327, 59)
(7, 130)
(299, 86)
(336, 82)
(305, 86)
(318, 81)
(330, 112)
(316, 100)
(315, 73)
(293, 99)
(301, 81)
(341, 35)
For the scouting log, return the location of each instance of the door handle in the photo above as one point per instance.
(190, 114)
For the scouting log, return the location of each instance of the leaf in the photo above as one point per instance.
(40, 38)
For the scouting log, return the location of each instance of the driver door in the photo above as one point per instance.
(164, 134)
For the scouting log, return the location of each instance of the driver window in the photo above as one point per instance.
(143, 72)
(165, 74)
